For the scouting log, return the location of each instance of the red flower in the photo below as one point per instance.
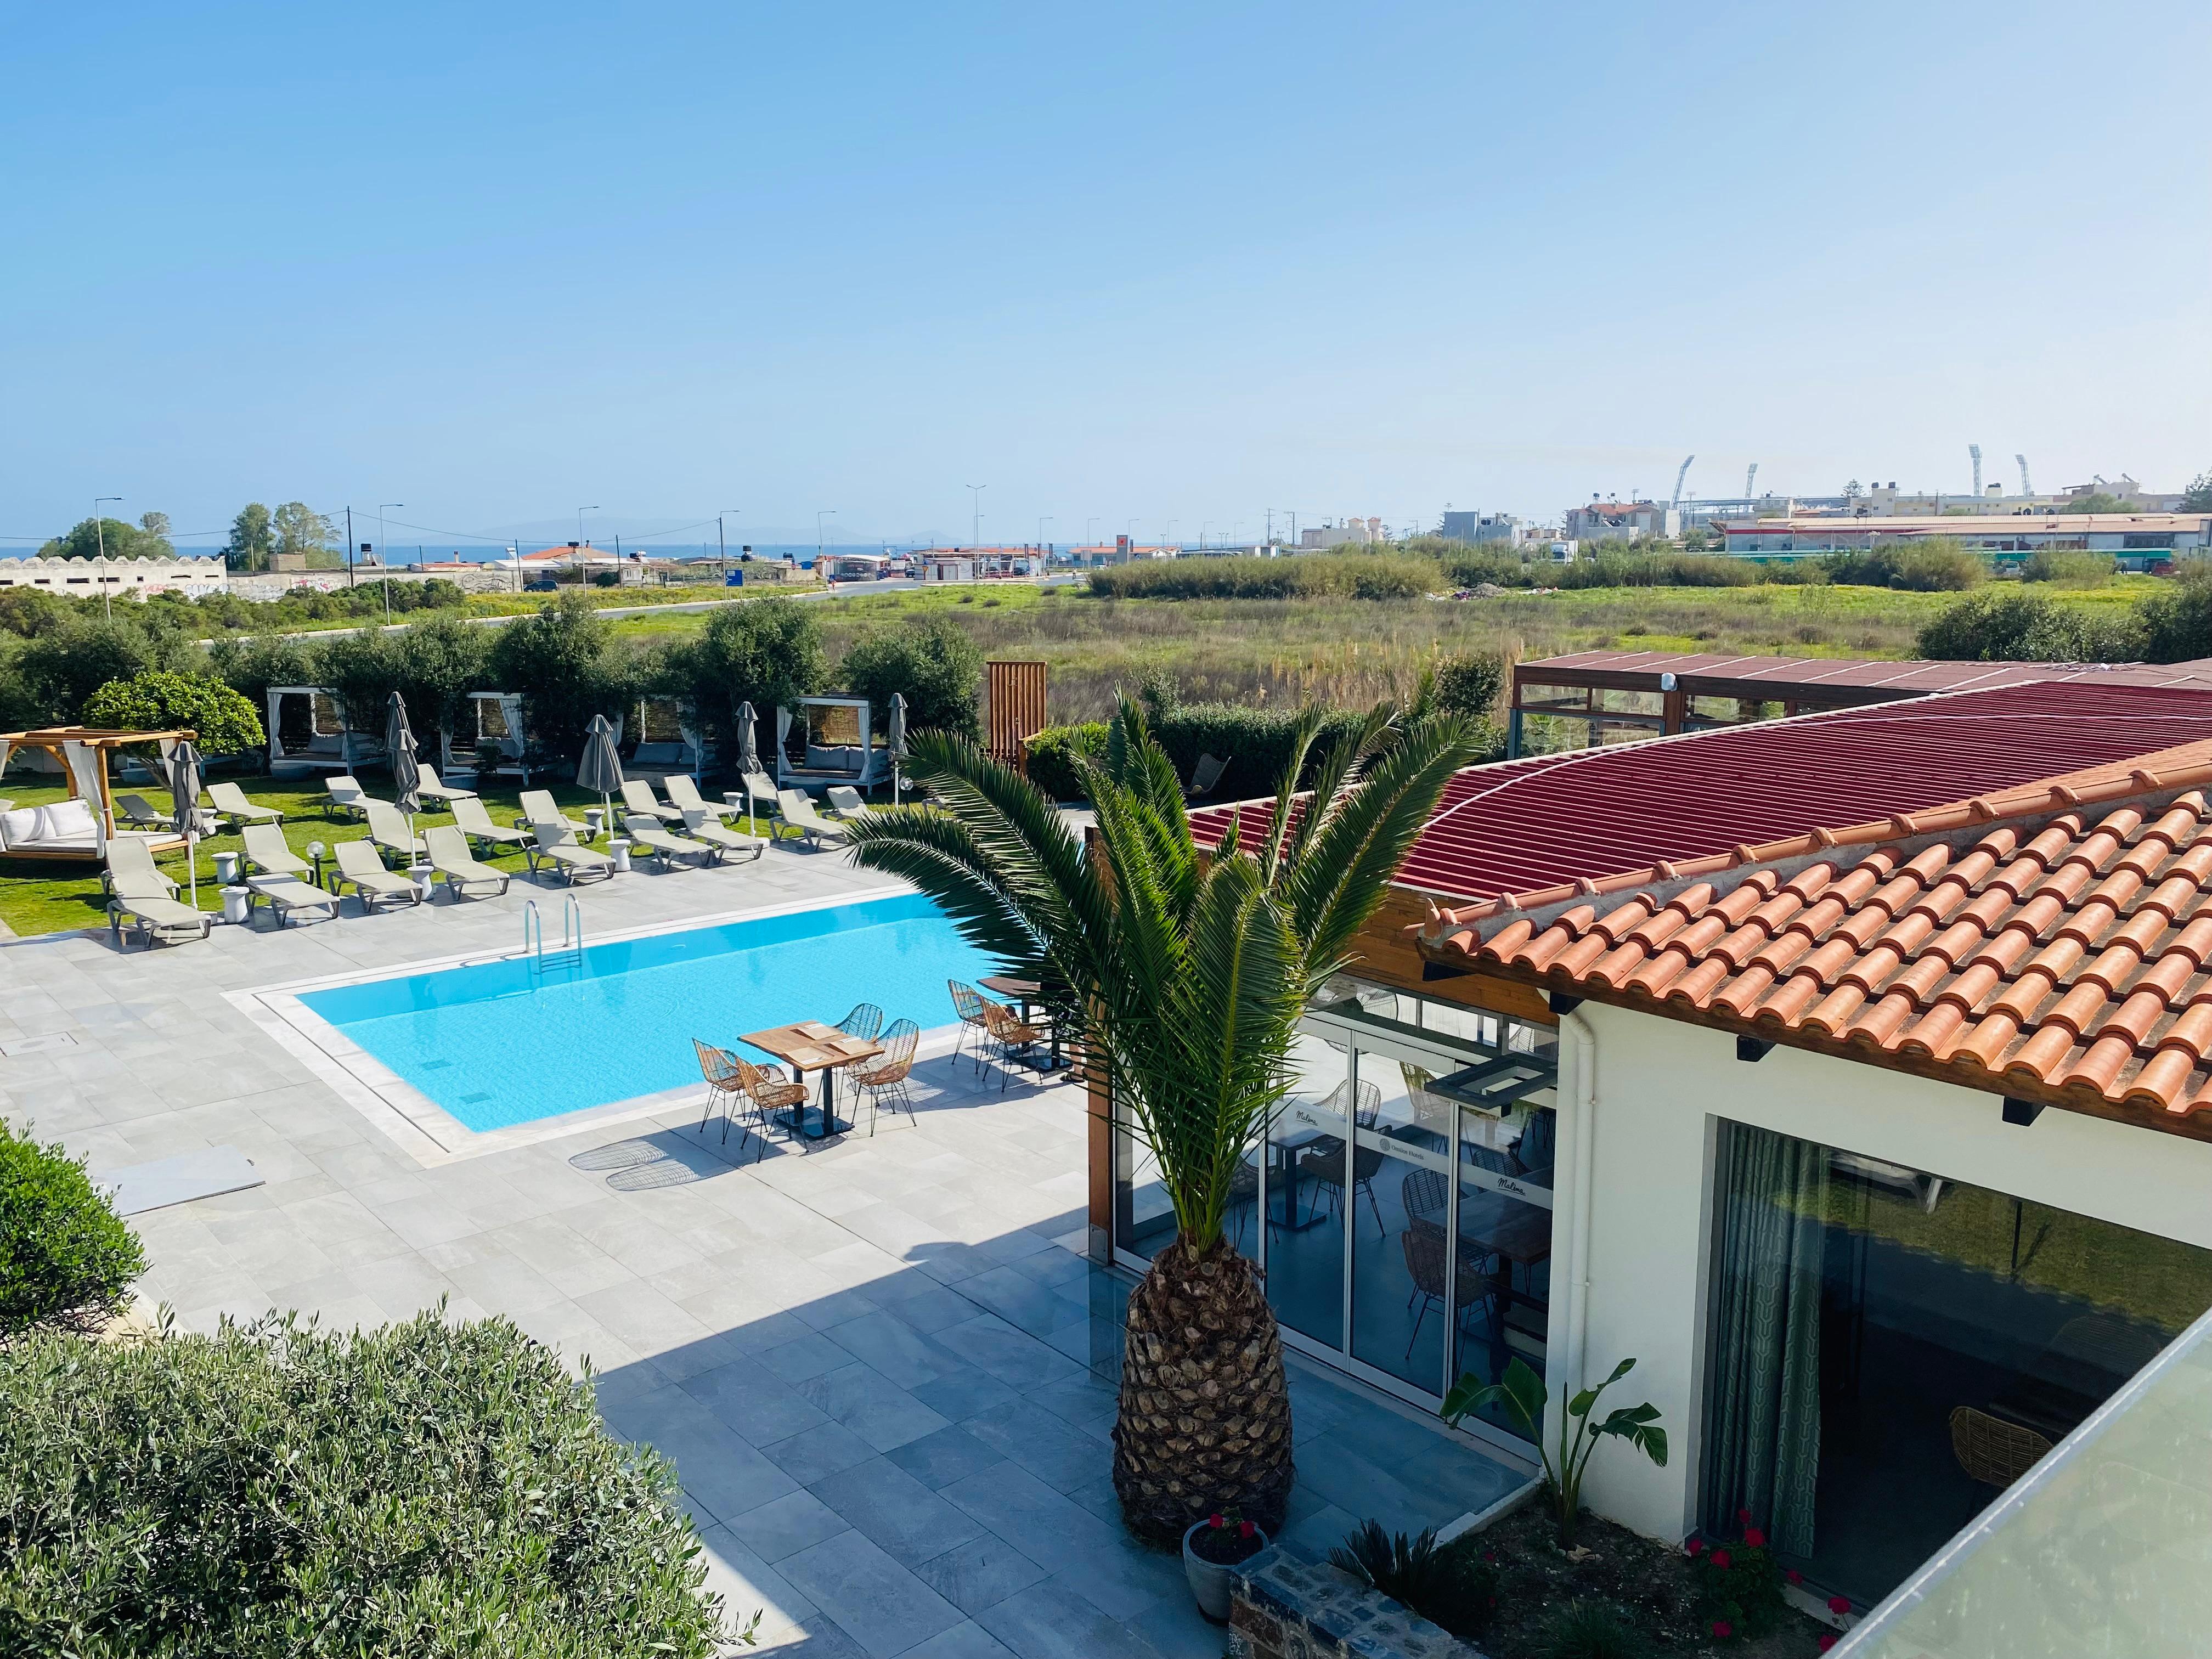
(1245, 1529)
(1827, 1640)
(1753, 1539)
(1217, 1520)
(1744, 1516)
(1721, 1558)
(1794, 1577)
(1696, 1546)
(1723, 1628)
(1839, 1604)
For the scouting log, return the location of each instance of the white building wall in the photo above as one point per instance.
(1661, 1087)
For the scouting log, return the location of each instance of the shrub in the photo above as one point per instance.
(1255, 742)
(424, 1490)
(2018, 626)
(222, 722)
(63, 668)
(251, 667)
(1586, 1628)
(1469, 685)
(934, 663)
(564, 661)
(1050, 751)
(2073, 567)
(1407, 1570)
(764, 652)
(66, 1259)
(1938, 564)
(2177, 619)
(1306, 575)
(1739, 1583)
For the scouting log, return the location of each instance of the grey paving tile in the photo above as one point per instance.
(879, 1603)
(939, 1459)
(1116, 1574)
(1050, 1621)
(872, 1406)
(786, 1525)
(748, 1585)
(980, 1573)
(755, 1406)
(963, 1641)
(964, 1394)
(906, 1518)
(1015, 1357)
(1175, 1626)
(809, 1456)
(1022, 1302)
(721, 1471)
(809, 1356)
(930, 1309)
(1064, 1458)
(895, 1348)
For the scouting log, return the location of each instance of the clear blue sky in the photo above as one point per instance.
(1179, 263)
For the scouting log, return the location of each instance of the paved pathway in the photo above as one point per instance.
(884, 1372)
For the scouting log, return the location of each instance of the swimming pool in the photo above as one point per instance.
(499, 1043)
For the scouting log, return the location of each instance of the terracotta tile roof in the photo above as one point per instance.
(2052, 942)
(1548, 819)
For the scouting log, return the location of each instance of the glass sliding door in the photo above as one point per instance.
(1304, 1218)
(1504, 1240)
(1402, 1178)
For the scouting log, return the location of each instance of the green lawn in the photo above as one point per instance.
(38, 895)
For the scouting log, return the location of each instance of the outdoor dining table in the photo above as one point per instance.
(810, 1046)
(1025, 991)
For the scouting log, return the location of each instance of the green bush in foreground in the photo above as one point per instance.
(66, 1259)
(425, 1490)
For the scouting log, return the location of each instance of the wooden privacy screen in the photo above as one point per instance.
(1016, 710)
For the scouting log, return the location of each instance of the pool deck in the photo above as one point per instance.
(883, 1367)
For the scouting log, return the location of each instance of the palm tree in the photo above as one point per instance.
(1183, 973)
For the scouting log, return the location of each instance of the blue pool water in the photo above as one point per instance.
(499, 1043)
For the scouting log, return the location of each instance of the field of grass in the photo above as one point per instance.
(1354, 652)
(40, 896)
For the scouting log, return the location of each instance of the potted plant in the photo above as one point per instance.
(1210, 1549)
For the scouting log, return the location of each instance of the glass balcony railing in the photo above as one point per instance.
(2102, 1551)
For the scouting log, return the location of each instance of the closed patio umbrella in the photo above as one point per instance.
(748, 738)
(898, 736)
(185, 795)
(399, 744)
(600, 769)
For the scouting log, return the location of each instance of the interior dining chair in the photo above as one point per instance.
(864, 1022)
(1993, 1451)
(1324, 1160)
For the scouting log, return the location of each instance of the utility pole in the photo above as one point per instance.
(722, 542)
(99, 540)
(380, 563)
(350, 545)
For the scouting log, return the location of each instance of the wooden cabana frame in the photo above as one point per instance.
(102, 741)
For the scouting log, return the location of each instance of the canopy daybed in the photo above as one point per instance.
(308, 732)
(81, 827)
(828, 741)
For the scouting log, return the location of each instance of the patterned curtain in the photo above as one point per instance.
(1763, 1438)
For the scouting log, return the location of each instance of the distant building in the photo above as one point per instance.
(973, 564)
(1366, 533)
(83, 578)
(1478, 527)
(2142, 537)
(1602, 521)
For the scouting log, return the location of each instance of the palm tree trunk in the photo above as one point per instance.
(1204, 1420)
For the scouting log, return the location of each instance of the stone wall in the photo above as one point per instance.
(1287, 1608)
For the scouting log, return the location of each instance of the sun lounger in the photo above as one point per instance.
(230, 801)
(843, 799)
(702, 825)
(450, 858)
(638, 797)
(129, 860)
(154, 913)
(343, 793)
(798, 813)
(266, 851)
(360, 868)
(684, 795)
(660, 843)
(135, 809)
(387, 829)
(538, 807)
(287, 897)
(557, 846)
(472, 818)
(760, 790)
(427, 788)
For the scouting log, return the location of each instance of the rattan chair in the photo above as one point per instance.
(884, 1077)
(968, 1003)
(1323, 1161)
(1010, 1034)
(770, 1093)
(724, 1088)
(1424, 1242)
(1994, 1452)
(864, 1022)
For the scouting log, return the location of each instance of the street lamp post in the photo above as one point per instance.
(380, 563)
(722, 542)
(826, 513)
(581, 564)
(1041, 522)
(99, 541)
(975, 495)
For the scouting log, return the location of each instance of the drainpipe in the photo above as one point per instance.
(1576, 1030)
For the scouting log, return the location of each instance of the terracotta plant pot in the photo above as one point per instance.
(1212, 1584)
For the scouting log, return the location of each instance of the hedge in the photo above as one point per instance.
(426, 1490)
(66, 1259)
(222, 721)
(1302, 576)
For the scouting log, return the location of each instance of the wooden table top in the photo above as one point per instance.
(1007, 986)
(810, 1046)
(1524, 1236)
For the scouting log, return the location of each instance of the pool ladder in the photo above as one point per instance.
(570, 956)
